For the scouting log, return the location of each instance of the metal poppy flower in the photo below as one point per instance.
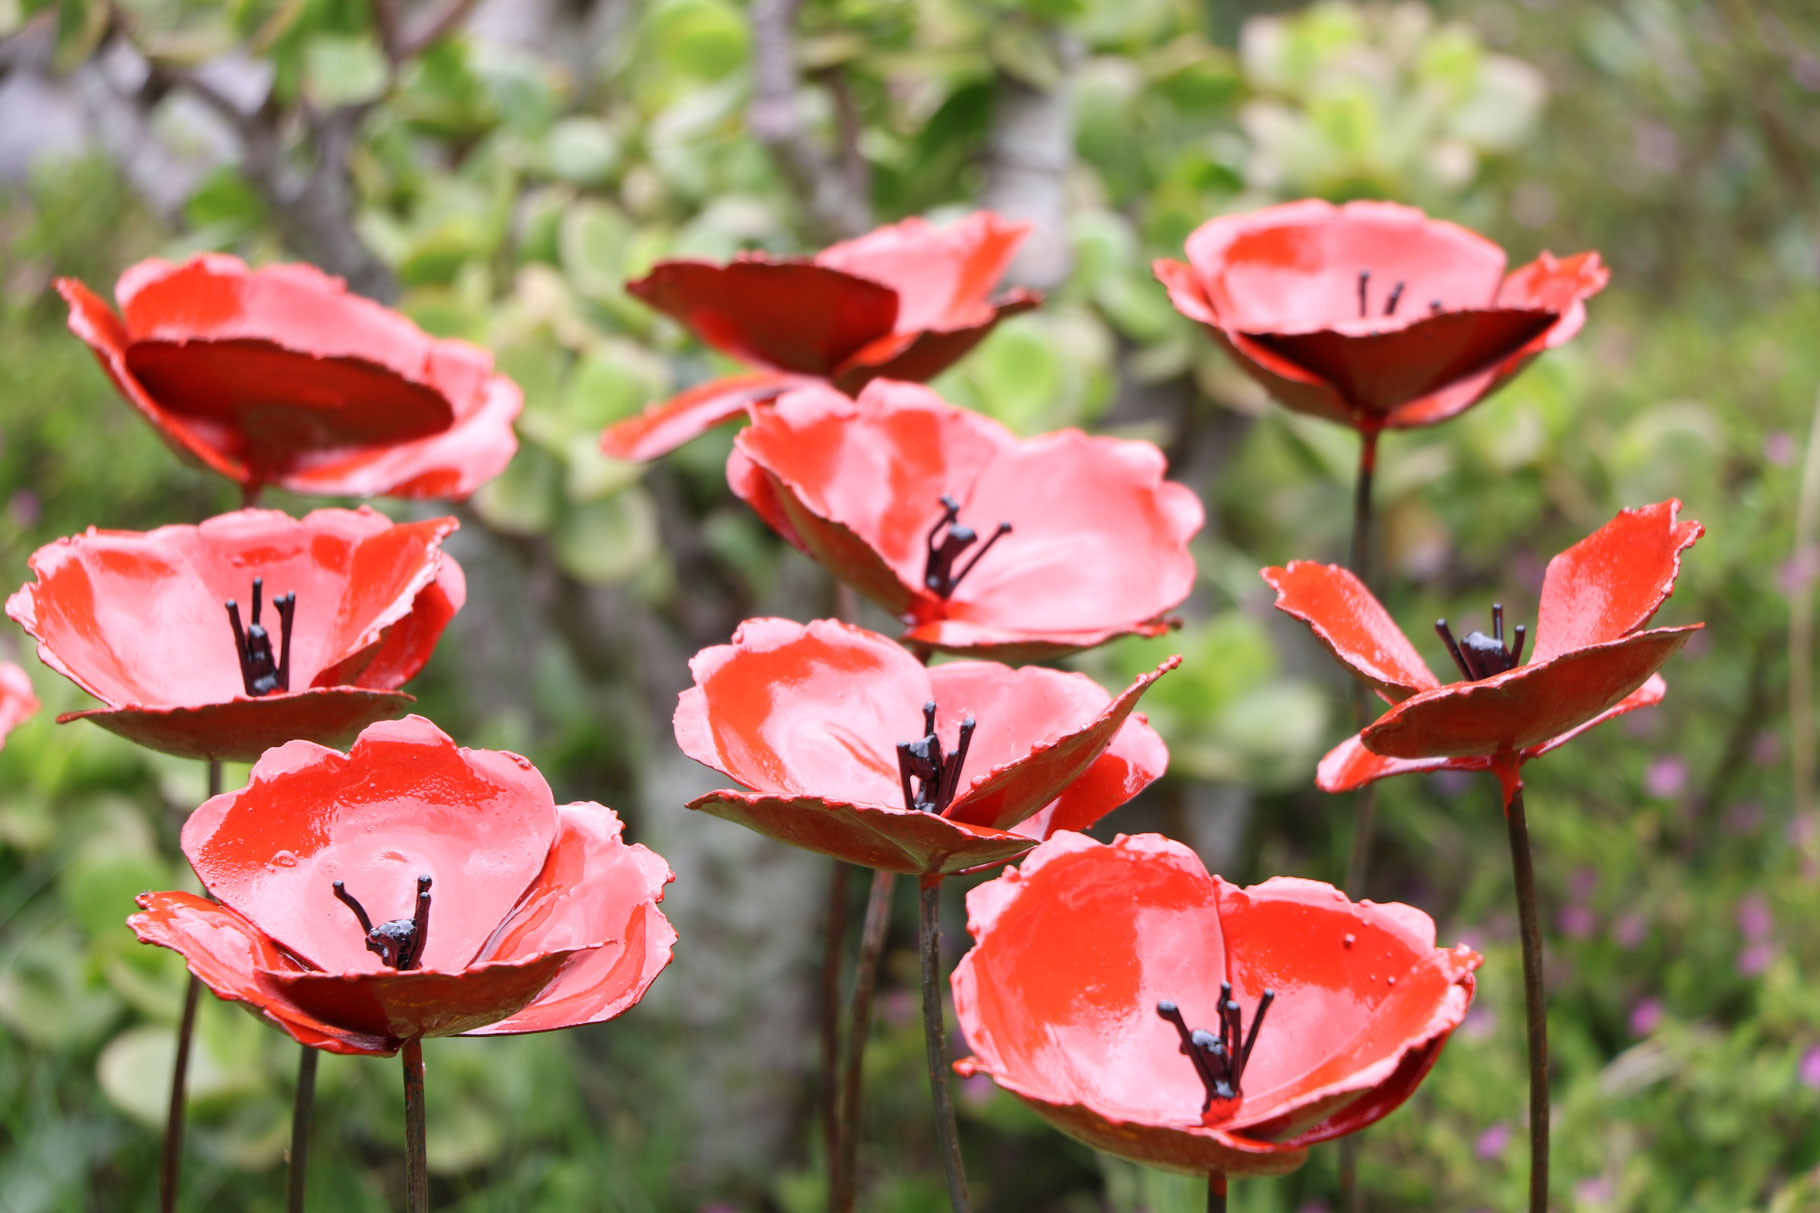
(1591, 659)
(17, 702)
(1156, 1012)
(902, 302)
(412, 888)
(851, 747)
(279, 376)
(172, 628)
(979, 541)
(1373, 314)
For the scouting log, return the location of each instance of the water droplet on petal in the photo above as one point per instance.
(283, 859)
(1349, 940)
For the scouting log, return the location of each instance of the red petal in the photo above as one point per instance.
(1008, 644)
(662, 428)
(242, 729)
(1359, 989)
(407, 645)
(871, 835)
(1609, 584)
(227, 954)
(942, 276)
(423, 1002)
(17, 702)
(1646, 696)
(137, 619)
(795, 709)
(1350, 765)
(920, 356)
(1355, 627)
(1038, 732)
(406, 801)
(1526, 706)
(1295, 268)
(787, 315)
(1136, 757)
(593, 890)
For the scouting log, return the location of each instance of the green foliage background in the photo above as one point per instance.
(508, 191)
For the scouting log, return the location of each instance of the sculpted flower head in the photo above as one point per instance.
(1373, 314)
(1591, 658)
(412, 888)
(222, 640)
(850, 747)
(1159, 1013)
(279, 376)
(979, 541)
(902, 302)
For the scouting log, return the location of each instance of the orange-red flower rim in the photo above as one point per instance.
(1076, 947)
(536, 916)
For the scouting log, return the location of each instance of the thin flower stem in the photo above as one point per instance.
(301, 1108)
(929, 940)
(1801, 628)
(1216, 1192)
(170, 1164)
(416, 1165)
(1360, 561)
(833, 944)
(865, 982)
(1534, 1005)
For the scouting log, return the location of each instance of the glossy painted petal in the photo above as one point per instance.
(1039, 732)
(663, 427)
(404, 802)
(942, 276)
(1609, 584)
(921, 356)
(1646, 696)
(786, 315)
(423, 1002)
(1526, 706)
(407, 645)
(1350, 765)
(227, 954)
(1355, 627)
(871, 835)
(241, 729)
(1559, 285)
(17, 702)
(593, 890)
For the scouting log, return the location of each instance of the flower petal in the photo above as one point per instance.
(593, 890)
(407, 645)
(17, 702)
(871, 835)
(1350, 765)
(786, 315)
(942, 276)
(1525, 706)
(405, 801)
(815, 709)
(1136, 758)
(1345, 616)
(1609, 584)
(1039, 731)
(241, 729)
(227, 953)
(662, 428)
(920, 356)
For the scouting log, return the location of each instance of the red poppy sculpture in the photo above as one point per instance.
(1592, 658)
(902, 302)
(850, 747)
(1373, 314)
(979, 541)
(279, 376)
(1156, 1012)
(171, 628)
(17, 702)
(412, 888)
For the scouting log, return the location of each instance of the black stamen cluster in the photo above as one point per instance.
(937, 775)
(1220, 1060)
(946, 540)
(400, 941)
(1481, 656)
(259, 673)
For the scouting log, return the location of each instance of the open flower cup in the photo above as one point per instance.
(1102, 974)
(17, 702)
(222, 640)
(979, 541)
(1592, 658)
(848, 746)
(902, 302)
(1372, 314)
(279, 376)
(412, 888)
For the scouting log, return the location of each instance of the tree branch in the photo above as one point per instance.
(838, 204)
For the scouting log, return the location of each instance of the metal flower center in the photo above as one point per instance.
(946, 540)
(1390, 301)
(1220, 1060)
(258, 671)
(399, 942)
(936, 775)
(1481, 656)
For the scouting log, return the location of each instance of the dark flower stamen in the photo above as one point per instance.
(1481, 656)
(1220, 1060)
(1364, 282)
(939, 574)
(260, 674)
(399, 942)
(937, 776)
(1390, 304)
